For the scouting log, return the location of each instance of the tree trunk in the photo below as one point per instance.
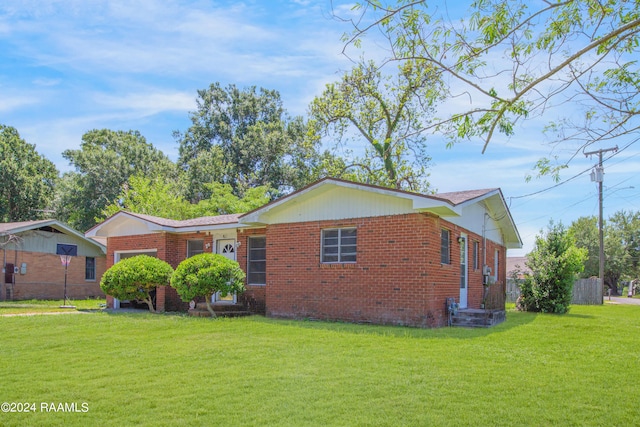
(208, 301)
(149, 302)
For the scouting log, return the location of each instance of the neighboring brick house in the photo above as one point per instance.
(347, 251)
(31, 264)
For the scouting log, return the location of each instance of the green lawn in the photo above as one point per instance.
(49, 306)
(142, 369)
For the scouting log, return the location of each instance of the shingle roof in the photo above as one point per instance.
(457, 197)
(11, 226)
(202, 221)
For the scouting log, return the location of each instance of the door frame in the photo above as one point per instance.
(220, 243)
(464, 270)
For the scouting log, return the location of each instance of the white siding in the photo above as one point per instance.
(340, 203)
(473, 220)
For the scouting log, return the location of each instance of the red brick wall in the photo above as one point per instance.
(398, 277)
(44, 278)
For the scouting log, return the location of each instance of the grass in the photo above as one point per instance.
(48, 306)
(161, 370)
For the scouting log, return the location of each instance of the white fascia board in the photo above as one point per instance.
(119, 218)
(438, 207)
(201, 228)
(495, 202)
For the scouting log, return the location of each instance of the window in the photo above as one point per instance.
(339, 245)
(476, 255)
(257, 261)
(496, 265)
(90, 268)
(194, 247)
(445, 256)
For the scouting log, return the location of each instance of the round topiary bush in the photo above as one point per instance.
(204, 274)
(135, 278)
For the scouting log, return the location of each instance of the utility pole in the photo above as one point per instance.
(597, 175)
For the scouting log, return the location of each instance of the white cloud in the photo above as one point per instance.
(15, 102)
(148, 103)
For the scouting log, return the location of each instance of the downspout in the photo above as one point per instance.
(485, 286)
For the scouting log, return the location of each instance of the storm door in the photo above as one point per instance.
(464, 282)
(226, 248)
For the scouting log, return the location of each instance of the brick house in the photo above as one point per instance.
(31, 264)
(347, 251)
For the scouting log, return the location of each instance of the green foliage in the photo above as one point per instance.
(204, 274)
(223, 201)
(105, 161)
(554, 263)
(162, 198)
(27, 179)
(245, 138)
(157, 197)
(134, 278)
(584, 232)
(515, 60)
(621, 246)
(388, 113)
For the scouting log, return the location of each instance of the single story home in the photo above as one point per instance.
(340, 250)
(32, 267)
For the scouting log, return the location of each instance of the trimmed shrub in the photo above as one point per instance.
(555, 263)
(205, 274)
(135, 278)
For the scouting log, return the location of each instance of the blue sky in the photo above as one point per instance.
(70, 66)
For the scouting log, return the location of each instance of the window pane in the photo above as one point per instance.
(195, 247)
(90, 268)
(257, 263)
(330, 250)
(339, 245)
(444, 247)
(330, 258)
(348, 258)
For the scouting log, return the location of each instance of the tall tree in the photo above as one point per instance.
(584, 231)
(27, 179)
(105, 161)
(621, 246)
(517, 59)
(159, 197)
(245, 138)
(387, 113)
(627, 237)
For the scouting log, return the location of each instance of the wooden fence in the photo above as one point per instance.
(585, 291)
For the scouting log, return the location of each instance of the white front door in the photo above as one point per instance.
(226, 248)
(463, 271)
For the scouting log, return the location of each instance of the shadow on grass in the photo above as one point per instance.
(578, 316)
(514, 320)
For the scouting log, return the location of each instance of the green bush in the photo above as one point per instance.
(204, 274)
(554, 264)
(135, 278)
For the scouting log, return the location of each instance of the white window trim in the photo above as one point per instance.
(339, 230)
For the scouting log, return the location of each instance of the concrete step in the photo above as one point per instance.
(476, 318)
(222, 309)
